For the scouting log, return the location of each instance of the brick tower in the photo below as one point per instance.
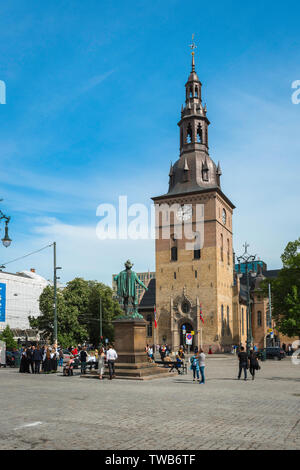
(195, 277)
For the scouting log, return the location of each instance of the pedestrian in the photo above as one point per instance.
(253, 363)
(47, 361)
(37, 357)
(194, 360)
(101, 363)
(54, 359)
(243, 363)
(24, 364)
(61, 357)
(202, 366)
(83, 359)
(111, 357)
(29, 354)
(177, 365)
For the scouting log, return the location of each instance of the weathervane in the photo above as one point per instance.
(193, 45)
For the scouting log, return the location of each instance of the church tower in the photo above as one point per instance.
(194, 274)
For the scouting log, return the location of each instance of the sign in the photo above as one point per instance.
(192, 332)
(2, 301)
(189, 338)
(270, 330)
(106, 340)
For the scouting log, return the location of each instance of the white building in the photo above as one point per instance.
(19, 298)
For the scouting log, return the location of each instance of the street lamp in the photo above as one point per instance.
(246, 259)
(5, 240)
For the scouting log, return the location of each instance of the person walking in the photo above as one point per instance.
(47, 361)
(111, 357)
(243, 363)
(202, 366)
(37, 357)
(253, 363)
(194, 360)
(101, 363)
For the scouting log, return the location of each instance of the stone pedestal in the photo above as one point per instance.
(130, 343)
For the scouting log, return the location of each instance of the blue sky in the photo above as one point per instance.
(94, 91)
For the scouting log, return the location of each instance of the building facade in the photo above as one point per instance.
(19, 298)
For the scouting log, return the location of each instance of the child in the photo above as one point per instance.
(68, 369)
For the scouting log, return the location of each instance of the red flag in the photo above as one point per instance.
(201, 317)
(155, 321)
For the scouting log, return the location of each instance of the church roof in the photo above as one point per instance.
(148, 300)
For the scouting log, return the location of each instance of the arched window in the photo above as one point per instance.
(228, 252)
(196, 92)
(197, 249)
(199, 134)
(149, 326)
(191, 92)
(242, 319)
(173, 248)
(222, 248)
(259, 318)
(189, 134)
(228, 324)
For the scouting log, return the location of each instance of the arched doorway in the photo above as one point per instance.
(188, 327)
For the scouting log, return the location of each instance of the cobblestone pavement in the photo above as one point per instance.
(55, 412)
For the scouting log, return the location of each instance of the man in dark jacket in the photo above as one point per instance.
(243, 362)
(83, 357)
(37, 357)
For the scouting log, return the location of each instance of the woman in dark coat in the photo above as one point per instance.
(47, 361)
(24, 364)
(253, 362)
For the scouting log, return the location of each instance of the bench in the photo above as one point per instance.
(169, 364)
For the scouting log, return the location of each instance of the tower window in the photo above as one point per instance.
(228, 253)
(149, 326)
(222, 257)
(196, 92)
(196, 274)
(174, 251)
(189, 134)
(197, 249)
(228, 326)
(191, 92)
(199, 134)
(259, 318)
(174, 275)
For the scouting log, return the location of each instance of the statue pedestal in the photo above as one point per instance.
(130, 344)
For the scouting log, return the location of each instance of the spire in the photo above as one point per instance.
(193, 47)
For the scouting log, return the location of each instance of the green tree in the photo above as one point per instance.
(78, 312)
(285, 291)
(8, 337)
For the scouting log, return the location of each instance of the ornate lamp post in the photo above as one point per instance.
(248, 261)
(5, 240)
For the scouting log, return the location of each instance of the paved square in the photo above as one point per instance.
(55, 412)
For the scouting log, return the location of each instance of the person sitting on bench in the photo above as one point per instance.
(68, 369)
(177, 365)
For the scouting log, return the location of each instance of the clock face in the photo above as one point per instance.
(224, 217)
(185, 213)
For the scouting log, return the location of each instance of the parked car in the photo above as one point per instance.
(275, 353)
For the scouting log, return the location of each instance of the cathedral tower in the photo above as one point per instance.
(194, 276)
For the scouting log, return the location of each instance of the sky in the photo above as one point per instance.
(93, 96)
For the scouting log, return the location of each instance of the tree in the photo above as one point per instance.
(285, 291)
(78, 318)
(8, 337)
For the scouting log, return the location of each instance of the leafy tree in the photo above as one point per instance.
(285, 291)
(8, 337)
(78, 317)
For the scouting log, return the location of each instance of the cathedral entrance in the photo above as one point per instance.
(186, 328)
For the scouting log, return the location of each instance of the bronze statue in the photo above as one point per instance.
(126, 282)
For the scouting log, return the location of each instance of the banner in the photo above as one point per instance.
(2, 301)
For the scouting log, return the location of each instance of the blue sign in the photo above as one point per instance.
(2, 301)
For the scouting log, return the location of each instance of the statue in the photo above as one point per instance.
(126, 282)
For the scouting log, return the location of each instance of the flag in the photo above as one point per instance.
(201, 317)
(155, 321)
